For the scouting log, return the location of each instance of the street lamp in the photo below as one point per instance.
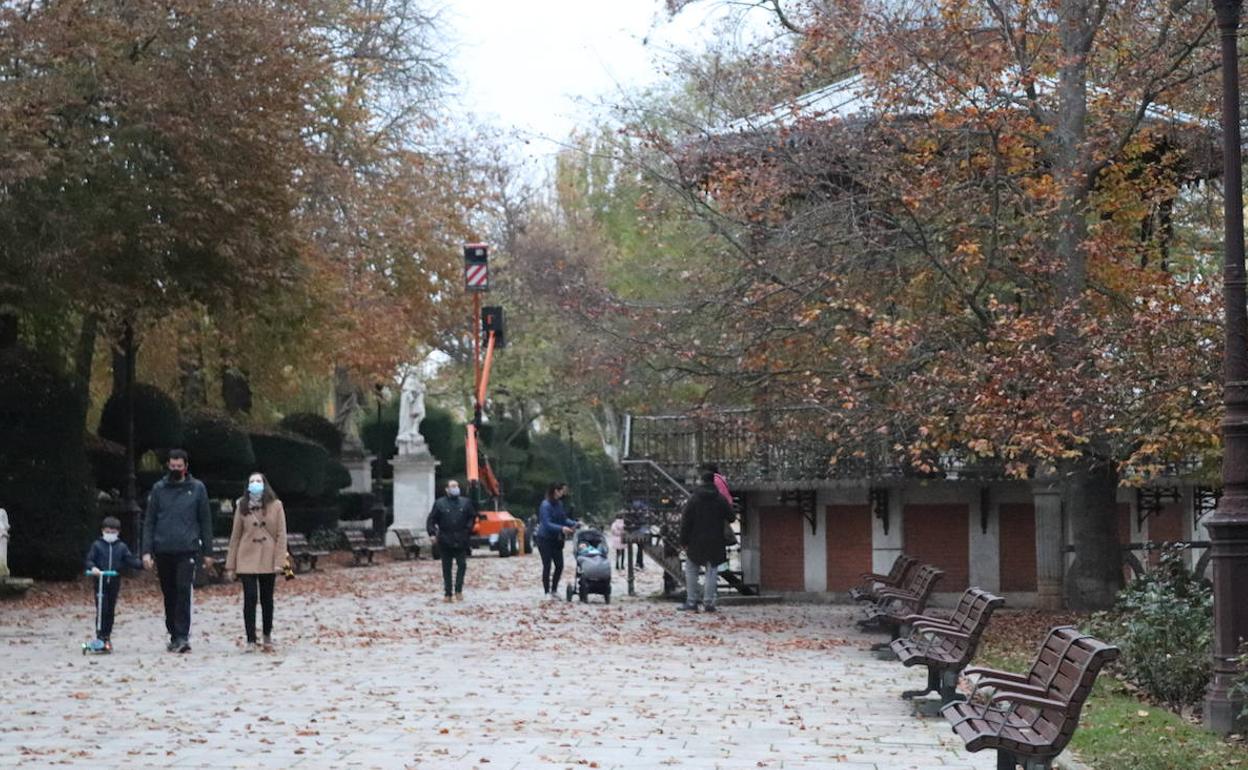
(1228, 526)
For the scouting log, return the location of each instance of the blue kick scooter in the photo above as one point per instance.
(98, 646)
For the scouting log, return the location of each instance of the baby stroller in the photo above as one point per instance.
(593, 566)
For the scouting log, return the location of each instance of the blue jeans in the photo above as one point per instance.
(691, 583)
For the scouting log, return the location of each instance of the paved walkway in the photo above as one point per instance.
(373, 671)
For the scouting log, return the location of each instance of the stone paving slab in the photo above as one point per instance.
(374, 671)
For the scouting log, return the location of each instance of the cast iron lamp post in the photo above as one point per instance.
(1228, 525)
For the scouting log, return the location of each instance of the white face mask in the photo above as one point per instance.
(110, 537)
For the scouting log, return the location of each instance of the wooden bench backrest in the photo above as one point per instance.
(924, 584)
(405, 536)
(971, 616)
(901, 568)
(296, 540)
(354, 536)
(1066, 667)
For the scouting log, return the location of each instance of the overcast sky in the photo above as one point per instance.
(533, 65)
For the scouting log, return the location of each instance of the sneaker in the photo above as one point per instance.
(687, 608)
(172, 646)
(448, 598)
(710, 608)
(267, 645)
(108, 646)
(459, 597)
(183, 646)
(250, 647)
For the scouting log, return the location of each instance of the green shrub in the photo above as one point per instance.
(1163, 622)
(354, 506)
(314, 427)
(310, 517)
(294, 465)
(336, 477)
(108, 462)
(157, 420)
(45, 477)
(328, 539)
(218, 447)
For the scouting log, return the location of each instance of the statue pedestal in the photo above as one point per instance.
(13, 587)
(360, 466)
(414, 495)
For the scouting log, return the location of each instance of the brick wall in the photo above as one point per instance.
(1018, 546)
(1166, 527)
(938, 534)
(781, 549)
(848, 537)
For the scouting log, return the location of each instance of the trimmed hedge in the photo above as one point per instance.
(218, 446)
(294, 465)
(157, 420)
(354, 506)
(108, 462)
(316, 428)
(45, 478)
(308, 518)
(336, 477)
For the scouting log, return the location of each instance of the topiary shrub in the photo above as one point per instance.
(327, 539)
(218, 446)
(354, 506)
(309, 517)
(336, 477)
(157, 420)
(294, 465)
(1163, 622)
(314, 427)
(45, 477)
(108, 462)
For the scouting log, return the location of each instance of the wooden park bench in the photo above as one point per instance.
(220, 550)
(407, 541)
(895, 605)
(946, 646)
(870, 582)
(303, 556)
(360, 546)
(1031, 717)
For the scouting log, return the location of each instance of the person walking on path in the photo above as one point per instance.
(177, 535)
(257, 553)
(702, 537)
(616, 539)
(553, 525)
(109, 554)
(450, 525)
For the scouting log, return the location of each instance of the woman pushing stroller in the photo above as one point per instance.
(553, 525)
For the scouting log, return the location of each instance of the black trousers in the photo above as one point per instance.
(621, 554)
(552, 557)
(108, 606)
(460, 557)
(177, 581)
(258, 586)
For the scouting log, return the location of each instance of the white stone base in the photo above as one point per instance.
(414, 494)
(361, 470)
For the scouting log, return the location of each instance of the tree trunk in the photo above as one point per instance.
(1095, 577)
(8, 329)
(84, 362)
(610, 425)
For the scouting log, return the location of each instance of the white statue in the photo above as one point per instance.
(4, 543)
(411, 412)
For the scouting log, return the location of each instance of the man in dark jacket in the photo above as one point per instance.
(177, 534)
(702, 537)
(450, 525)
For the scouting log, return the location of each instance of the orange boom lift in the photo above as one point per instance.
(497, 528)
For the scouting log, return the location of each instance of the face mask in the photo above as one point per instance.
(110, 537)
(453, 491)
(256, 488)
(176, 475)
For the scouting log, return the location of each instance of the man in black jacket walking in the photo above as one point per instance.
(450, 525)
(702, 537)
(177, 534)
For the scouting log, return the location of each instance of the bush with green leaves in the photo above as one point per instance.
(1163, 622)
(157, 419)
(45, 478)
(294, 465)
(327, 539)
(314, 427)
(218, 446)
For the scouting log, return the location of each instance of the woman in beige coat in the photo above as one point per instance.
(257, 553)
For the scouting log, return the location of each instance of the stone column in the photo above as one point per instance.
(1050, 561)
(414, 494)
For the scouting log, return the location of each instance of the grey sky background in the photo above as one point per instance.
(538, 67)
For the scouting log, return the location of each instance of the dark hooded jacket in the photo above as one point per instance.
(702, 526)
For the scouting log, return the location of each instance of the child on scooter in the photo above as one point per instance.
(108, 555)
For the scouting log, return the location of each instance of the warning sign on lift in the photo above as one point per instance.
(476, 267)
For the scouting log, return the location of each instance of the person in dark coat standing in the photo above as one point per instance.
(450, 525)
(177, 535)
(702, 537)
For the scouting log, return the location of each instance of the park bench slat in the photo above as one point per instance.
(947, 646)
(361, 548)
(407, 541)
(870, 582)
(889, 613)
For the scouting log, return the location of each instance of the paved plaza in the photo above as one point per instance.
(374, 671)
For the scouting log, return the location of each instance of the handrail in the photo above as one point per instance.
(655, 466)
